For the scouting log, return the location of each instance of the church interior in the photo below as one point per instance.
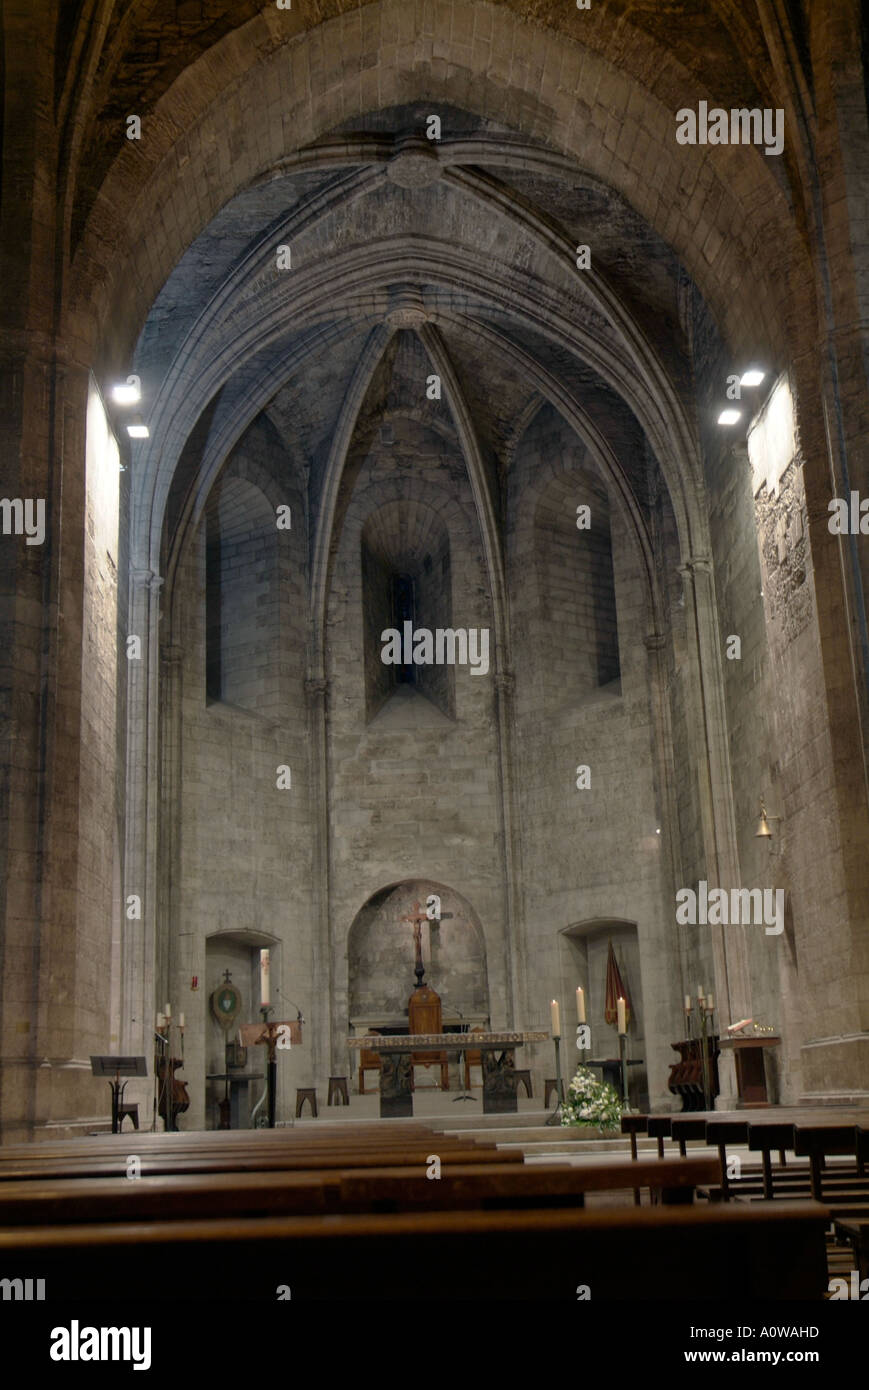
(433, 602)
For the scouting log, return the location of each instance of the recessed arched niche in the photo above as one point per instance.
(583, 961)
(380, 957)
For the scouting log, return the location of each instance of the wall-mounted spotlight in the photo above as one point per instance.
(729, 417)
(127, 392)
(753, 377)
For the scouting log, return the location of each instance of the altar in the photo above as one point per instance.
(499, 1075)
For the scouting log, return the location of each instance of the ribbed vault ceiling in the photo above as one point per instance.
(456, 260)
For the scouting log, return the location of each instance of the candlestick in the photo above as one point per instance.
(555, 1013)
(621, 1015)
(623, 1058)
(580, 1005)
(704, 1062)
(264, 972)
(555, 1117)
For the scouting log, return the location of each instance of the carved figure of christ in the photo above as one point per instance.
(417, 917)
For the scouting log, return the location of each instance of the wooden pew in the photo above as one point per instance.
(623, 1254)
(686, 1127)
(206, 1153)
(855, 1230)
(658, 1127)
(633, 1125)
(384, 1188)
(815, 1141)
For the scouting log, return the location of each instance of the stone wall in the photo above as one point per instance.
(413, 793)
(592, 855)
(244, 865)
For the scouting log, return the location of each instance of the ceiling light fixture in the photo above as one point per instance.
(729, 417)
(138, 430)
(753, 377)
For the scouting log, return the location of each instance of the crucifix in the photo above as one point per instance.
(430, 913)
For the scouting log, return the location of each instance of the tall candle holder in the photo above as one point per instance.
(702, 1012)
(271, 1065)
(623, 1059)
(555, 1117)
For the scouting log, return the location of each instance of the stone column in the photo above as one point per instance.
(514, 934)
(324, 1031)
(139, 942)
(665, 1024)
(712, 760)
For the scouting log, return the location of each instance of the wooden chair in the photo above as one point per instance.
(424, 1016)
(473, 1058)
(368, 1061)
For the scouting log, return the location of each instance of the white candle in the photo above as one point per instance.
(265, 995)
(556, 1018)
(687, 1003)
(580, 1005)
(181, 1020)
(709, 1003)
(621, 1012)
(699, 991)
(159, 1020)
(168, 1011)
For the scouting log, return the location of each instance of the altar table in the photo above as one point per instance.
(499, 1076)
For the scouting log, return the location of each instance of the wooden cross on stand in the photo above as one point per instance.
(430, 913)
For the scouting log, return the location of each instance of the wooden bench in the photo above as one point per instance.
(153, 1164)
(658, 1127)
(816, 1141)
(686, 1127)
(383, 1188)
(855, 1230)
(228, 1152)
(623, 1254)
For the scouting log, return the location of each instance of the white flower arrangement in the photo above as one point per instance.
(591, 1102)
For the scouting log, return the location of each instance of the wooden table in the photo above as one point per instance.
(499, 1075)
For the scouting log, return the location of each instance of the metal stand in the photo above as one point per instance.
(623, 1058)
(118, 1087)
(271, 1069)
(704, 1057)
(463, 1095)
(555, 1117)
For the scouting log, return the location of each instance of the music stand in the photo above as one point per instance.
(113, 1068)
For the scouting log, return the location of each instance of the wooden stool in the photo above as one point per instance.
(549, 1085)
(132, 1111)
(338, 1087)
(309, 1094)
(525, 1078)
